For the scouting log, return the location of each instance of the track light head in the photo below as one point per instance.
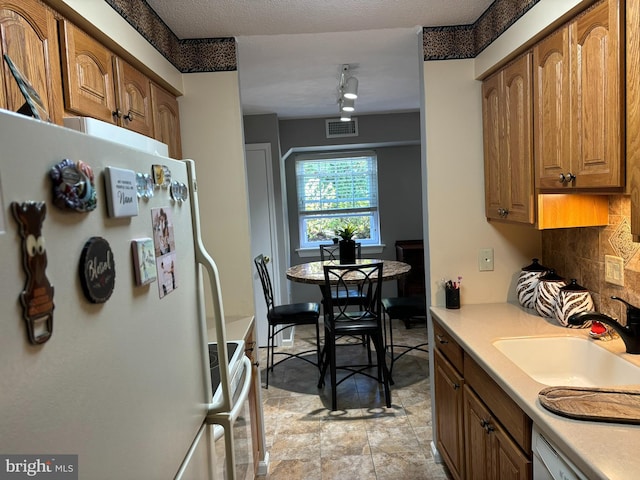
(347, 105)
(351, 88)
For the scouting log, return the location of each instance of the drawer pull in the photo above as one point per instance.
(486, 424)
(442, 340)
(456, 386)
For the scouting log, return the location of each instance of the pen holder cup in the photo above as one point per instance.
(452, 297)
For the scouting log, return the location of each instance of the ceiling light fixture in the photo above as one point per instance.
(348, 105)
(348, 92)
(345, 116)
(351, 88)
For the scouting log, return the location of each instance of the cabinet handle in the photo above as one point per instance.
(129, 116)
(486, 424)
(456, 386)
(256, 364)
(117, 113)
(442, 340)
(568, 178)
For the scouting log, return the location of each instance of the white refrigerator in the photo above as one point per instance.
(104, 372)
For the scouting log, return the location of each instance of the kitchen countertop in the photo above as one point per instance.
(599, 449)
(235, 328)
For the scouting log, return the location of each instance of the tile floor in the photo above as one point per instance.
(362, 439)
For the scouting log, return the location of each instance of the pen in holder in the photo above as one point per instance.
(452, 294)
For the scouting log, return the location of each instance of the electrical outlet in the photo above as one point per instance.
(614, 270)
(485, 259)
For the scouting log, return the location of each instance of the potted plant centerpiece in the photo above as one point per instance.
(347, 246)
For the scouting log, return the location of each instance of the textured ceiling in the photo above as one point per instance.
(290, 51)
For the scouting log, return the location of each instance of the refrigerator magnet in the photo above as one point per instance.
(144, 263)
(161, 175)
(37, 296)
(144, 185)
(73, 186)
(179, 191)
(122, 188)
(97, 270)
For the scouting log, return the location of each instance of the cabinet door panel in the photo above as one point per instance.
(551, 108)
(29, 36)
(133, 98)
(596, 69)
(166, 120)
(517, 147)
(448, 398)
(477, 440)
(88, 75)
(492, 131)
(509, 463)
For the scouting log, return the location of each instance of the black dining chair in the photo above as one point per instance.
(331, 252)
(281, 317)
(405, 309)
(367, 320)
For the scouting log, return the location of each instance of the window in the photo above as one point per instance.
(334, 190)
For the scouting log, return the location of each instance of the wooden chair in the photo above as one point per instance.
(282, 317)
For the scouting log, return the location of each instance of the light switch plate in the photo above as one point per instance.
(614, 270)
(485, 259)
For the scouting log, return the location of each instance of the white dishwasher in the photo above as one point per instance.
(549, 463)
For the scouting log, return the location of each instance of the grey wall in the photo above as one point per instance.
(264, 129)
(395, 139)
(372, 129)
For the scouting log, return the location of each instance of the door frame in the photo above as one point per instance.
(287, 338)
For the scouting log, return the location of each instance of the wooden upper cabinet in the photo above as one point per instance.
(166, 120)
(28, 35)
(88, 75)
(507, 128)
(578, 102)
(633, 111)
(597, 73)
(552, 108)
(133, 98)
(98, 84)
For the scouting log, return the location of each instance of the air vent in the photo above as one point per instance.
(337, 128)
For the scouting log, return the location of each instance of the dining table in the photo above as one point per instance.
(313, 272)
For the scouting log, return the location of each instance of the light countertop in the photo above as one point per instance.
(235, 328)
(599, 449)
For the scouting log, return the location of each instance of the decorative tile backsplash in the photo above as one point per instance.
(579, 253)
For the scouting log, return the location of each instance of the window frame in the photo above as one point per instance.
(373, 210)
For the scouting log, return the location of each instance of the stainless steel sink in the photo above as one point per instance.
(565, 360)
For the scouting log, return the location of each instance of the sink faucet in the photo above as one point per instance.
(630, 333)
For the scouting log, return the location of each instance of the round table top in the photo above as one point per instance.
(313, 272)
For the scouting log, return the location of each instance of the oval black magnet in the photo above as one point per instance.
(97, 270)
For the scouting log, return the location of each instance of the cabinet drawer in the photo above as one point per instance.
(514, 420)
(448, 346)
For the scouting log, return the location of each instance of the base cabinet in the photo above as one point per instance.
(482, 434)
(489, 451)
(449, 422)
(255, 407)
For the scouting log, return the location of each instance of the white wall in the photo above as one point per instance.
(457, 226)
(212, 135)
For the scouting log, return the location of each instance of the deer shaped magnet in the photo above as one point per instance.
(37, 296)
